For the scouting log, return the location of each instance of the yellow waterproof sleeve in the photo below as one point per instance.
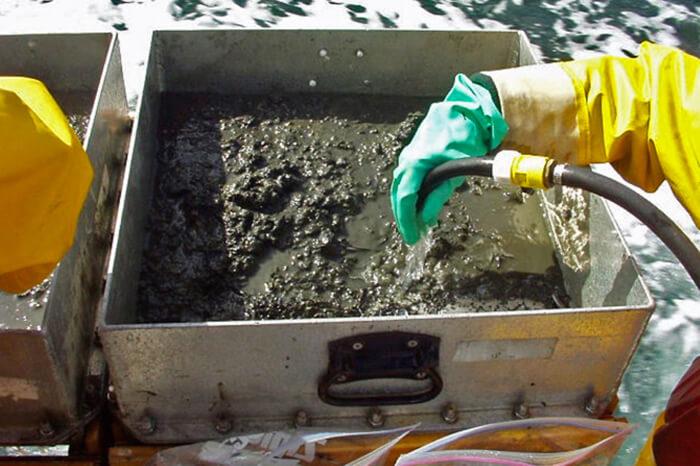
(44, 177)
(640, 114)
(643, 116)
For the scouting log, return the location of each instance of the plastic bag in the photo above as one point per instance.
(542, 441)
(288, 448)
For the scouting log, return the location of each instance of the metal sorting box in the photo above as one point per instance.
(186, 381)
(49, 378)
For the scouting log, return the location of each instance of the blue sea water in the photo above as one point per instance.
(558, 29)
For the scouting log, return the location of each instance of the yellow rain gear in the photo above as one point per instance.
(44, 177)
(640, 114)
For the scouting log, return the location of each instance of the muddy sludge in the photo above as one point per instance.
(275, 207)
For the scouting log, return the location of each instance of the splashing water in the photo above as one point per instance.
(415, 260)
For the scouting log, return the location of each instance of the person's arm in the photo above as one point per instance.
(640, 114)
(44, 177)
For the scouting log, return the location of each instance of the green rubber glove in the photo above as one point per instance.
(466, 124)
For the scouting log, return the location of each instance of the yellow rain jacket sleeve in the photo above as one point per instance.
(640, 114)
(44, 177)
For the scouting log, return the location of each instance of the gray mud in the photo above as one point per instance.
(24, 310)
(277, 207)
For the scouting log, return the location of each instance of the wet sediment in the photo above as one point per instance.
(272, 207)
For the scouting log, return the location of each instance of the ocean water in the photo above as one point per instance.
(558, 29)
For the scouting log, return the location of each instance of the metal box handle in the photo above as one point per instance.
(383, 355)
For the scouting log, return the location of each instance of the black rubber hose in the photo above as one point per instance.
(578, 177)
(668, 232)
(470, 166)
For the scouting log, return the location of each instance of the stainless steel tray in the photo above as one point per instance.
(182, 382)
(46, 363)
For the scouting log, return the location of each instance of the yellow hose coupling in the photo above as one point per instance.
(527, 171)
